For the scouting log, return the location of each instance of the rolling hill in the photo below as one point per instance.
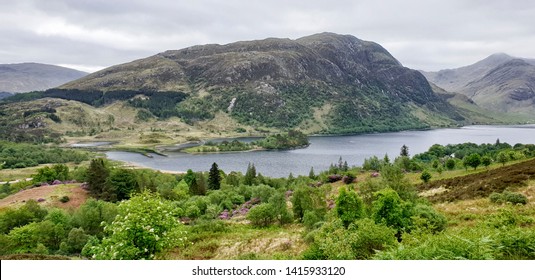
(25, 77)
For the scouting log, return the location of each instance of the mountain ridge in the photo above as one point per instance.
(324, 83)
(31, 76)
(499, 82)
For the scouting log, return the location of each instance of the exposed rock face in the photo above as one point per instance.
(500, 83)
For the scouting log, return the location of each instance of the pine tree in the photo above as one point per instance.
(404, 151)
(311, 174)
(250, 175)
(214, 178)
(345, 166)
(386, 159)
(201, 184)
(97, 176)
(340, 164)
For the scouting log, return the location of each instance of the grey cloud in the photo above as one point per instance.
(427, 35)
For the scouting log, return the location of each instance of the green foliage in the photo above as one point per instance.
(486, 161)
(49, 174)
(506, 196)
(91, 216)
(27, 238)
(196, 183)
(467, 245)
(20, 155)
(392, 176)
(75, 241)
(286, 106)
(426, 218)
(389, 209)
(289, 140)
(362, 240)
(144, 226)
(450, 164)
(143, 115)
(280, 209)
(194, 109)
(64, 199)
(515, 244)
(368, 189)
(502, 157)
(97, 176)
(426, 176)
(349, 206)
(250, 175)
(27, 213)
(123, 183)
(312, 220)
(214, 177)
(373, 163)
(404, 151)
(305, 199)
(311, 174)
(507, 218)
(261, 215)
(262, 192)
(473, 160)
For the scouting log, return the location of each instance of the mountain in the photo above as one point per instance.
(323, 83)
(320, 84)
(5, 94)
(25, 77)
(499, 83)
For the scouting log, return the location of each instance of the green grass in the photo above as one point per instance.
(242, 241)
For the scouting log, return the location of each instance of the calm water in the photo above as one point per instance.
(325, 150)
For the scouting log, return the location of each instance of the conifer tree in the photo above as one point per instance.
(250, 175)
(311, 174)
(214, 178)
(97, 176)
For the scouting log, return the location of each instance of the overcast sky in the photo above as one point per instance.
(93, 34)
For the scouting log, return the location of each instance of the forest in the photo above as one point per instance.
(408, 207)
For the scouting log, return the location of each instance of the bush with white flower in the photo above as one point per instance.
(144, 226)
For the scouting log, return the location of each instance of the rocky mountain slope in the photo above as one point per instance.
(499, 83)
(324, 83)
(320, 84)
(25, 77)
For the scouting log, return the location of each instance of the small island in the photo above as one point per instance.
(283, 141)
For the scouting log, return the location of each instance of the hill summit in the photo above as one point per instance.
(323, 83)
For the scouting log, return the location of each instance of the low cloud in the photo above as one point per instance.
(428, 35)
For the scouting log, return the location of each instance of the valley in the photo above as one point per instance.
(323, 147)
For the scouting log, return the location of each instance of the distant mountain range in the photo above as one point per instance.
(499, 83)
(25, 77)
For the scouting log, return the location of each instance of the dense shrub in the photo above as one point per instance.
(506, 196)
(361, 240)
(261, 215)
(93, 214)
(27, 213)
(428, 219)
(472, 244)
(389, 209)
(349, 206)
(143, 227)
